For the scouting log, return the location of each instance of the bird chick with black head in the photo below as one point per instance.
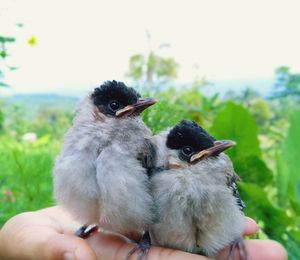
(99, 176)
(198, 205)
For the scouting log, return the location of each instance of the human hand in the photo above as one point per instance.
(43, 234)
(48, 234)
(114, 246)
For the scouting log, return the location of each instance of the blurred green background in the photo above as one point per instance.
(265, 127)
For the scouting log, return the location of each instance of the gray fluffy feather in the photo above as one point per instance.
(97, 175)
(197, 211)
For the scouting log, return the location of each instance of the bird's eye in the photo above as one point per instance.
(187, 150)
(114, 105)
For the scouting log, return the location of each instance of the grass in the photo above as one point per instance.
(25, 174)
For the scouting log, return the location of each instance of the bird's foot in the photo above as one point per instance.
(238, 250)
(143, 247)
(86, 230)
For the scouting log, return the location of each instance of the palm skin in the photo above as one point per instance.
(49, 234)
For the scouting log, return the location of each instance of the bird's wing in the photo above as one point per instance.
(217, 219)
(147, 155)
(232, 180)
(74, 184)
(125, 201)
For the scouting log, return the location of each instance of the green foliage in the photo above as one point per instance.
(4, 40)
(25, 175)
(136, 64)
(253, 169)
(159, 67)
(52, 121)
(175, 105)
(151, 70)
(236, 123)
(1, 120)
(287, 83)
(26, 166)
(165, 113)
(282, 180)
(260, 207)
(259, 186)
(260, 110)
(290, 155)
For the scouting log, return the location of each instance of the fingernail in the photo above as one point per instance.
(69, 256)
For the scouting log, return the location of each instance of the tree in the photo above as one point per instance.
(151, 70)
(4, 40)
(3, 54)
(287, 83)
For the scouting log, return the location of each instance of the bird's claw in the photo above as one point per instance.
(239, 247)
(142, 248)
(142, 251)
(85, 231)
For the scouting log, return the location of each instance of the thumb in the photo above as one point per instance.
(67, 247)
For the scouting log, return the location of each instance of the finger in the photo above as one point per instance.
(260, 249)
(167, 254)
(67, 247)
(112, 246)
(251, 227)
(36, 237)
(61, 219)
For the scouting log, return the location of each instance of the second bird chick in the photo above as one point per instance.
(198, 205)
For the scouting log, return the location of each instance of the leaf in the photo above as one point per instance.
(4, 39)
(295, 206)
(291, 151)
(292, 244)
(236, 123)
(282, 179)
(253, 169)
(3, 54)
(259, 205)
(136, 65)
(2, 84)
(172, 114)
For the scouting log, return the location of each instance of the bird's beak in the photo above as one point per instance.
(173, 163)
(219, 146)
(137, 108)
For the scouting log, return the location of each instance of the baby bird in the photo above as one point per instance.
(197, 202)
(100, 175)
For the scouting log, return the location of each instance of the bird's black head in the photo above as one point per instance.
(189, 139)
(115, 99)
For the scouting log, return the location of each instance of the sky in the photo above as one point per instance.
(83, 43)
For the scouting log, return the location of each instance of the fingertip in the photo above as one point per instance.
(84, 252)
(64, 246)
(266, 249)
(280, 250)
(258, 249)
(251, 227)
